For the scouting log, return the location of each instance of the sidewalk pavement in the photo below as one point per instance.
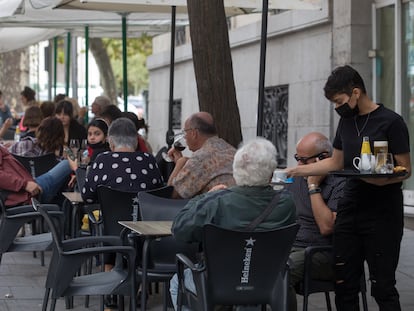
(22, 280)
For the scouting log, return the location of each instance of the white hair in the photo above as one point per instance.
(122, 133)
(254, 163)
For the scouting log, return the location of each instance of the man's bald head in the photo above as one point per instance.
(203, 122)
(314, 143)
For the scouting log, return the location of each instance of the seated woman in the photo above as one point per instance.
(97, 138)
(49, 139)
(73, 130)
(123, 168)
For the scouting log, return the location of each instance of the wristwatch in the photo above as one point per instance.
(313, 188)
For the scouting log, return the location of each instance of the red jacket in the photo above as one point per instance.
(14, 178)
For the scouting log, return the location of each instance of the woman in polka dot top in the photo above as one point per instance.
(122, 168)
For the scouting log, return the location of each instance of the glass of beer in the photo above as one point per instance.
(380, 146)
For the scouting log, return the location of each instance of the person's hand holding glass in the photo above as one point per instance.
(175, 151)
(74, 145)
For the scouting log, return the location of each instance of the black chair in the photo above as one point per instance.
(116, 205)
(80, 178)
(9, 134)
(165, 192)
(310, 286)
(165, 167)
(12, 220)
(39, 165)
(239, 268)
(68, 257)
(158, 255)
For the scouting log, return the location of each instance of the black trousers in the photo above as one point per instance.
(369, 226)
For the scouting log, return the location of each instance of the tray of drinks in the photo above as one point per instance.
(353, 173)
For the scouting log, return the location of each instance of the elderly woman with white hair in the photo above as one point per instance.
(236, 207)
(122, 168)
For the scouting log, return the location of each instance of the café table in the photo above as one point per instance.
(149, 230)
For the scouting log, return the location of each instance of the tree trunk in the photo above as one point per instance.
(105, 69)
(213, 66)
(14, 67)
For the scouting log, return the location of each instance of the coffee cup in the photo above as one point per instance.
(365, 163)
(280, 176)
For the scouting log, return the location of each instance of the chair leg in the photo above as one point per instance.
(364, 301)
(53, 304)
(328, 301)
(305, 303)
(165, 296)
(45, 299)
(121, 303)
(42, 258)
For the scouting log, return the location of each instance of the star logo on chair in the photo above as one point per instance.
(250, 242)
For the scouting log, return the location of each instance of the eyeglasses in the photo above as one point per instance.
(184, 131)
(304, 160)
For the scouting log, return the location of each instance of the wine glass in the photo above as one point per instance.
(179, 144)
(84, 155)
(74, 145)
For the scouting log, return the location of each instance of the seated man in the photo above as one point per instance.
(236, 207)
(316, 199)
(210, 163)
(18, 186)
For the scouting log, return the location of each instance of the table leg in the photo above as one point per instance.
(144, 281)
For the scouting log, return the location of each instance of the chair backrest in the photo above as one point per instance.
(39, 165)
(116, 205)
(9, 134)
(243, 267)
(165, 167)
(80, 178)
(165, 192)
(55, 224)
(158, 208)
(153, 207)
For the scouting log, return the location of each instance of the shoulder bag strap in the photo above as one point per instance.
(266, 212)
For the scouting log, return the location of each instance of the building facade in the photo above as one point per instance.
(374, 36)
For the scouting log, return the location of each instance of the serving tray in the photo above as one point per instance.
(351, 173)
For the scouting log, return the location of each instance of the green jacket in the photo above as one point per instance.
(232, 208)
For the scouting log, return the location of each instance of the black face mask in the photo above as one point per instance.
(98, 145)
(345, 111)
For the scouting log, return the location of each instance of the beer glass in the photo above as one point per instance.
(380, 146)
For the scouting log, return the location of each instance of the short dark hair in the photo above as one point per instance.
(99, 123)
(48, 108)
(342, 81)
(66, 107)
(32, 117)
(111, 113)
(59, 97)
(203, 126)
(28, 93)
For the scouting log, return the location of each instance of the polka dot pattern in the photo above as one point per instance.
(125, 171)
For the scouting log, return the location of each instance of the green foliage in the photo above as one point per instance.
(137, 51)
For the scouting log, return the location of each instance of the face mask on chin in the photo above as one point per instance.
(345, 111)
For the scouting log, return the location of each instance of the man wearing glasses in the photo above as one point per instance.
(316, 198)
(210, 164)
